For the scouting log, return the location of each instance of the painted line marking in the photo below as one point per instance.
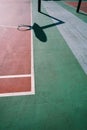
(15, 76)
(32, 60)
(17, 94)
(6, 26)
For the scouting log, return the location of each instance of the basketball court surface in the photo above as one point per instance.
(43, 66)
(16, 49)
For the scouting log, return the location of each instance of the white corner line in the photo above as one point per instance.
(17, 94)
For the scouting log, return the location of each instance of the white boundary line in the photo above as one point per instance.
(32, 59)
(6, 26)
(23, 75)
(16, 94)
(15, 76)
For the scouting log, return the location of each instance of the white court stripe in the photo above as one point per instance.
(15, 76)
(17, 94)
(8, 26)
(32, 59)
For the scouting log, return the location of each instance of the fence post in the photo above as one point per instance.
(78, 6)
(39, 5)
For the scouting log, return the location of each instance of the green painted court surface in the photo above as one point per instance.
(60, 100)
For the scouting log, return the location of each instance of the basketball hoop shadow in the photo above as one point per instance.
(39, 30)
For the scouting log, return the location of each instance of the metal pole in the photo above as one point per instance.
(79, 4)
(39, 5)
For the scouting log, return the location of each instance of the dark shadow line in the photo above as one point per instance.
(51, 25)
(27, 27)
(83, 13)
(50, 16)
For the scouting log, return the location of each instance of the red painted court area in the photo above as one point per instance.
(16, 50)
(83, 6)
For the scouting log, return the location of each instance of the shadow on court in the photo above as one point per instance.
(82, 13)
(39, 30)
(39, 33)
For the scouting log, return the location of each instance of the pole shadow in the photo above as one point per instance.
(39, 30)
(82, 13)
